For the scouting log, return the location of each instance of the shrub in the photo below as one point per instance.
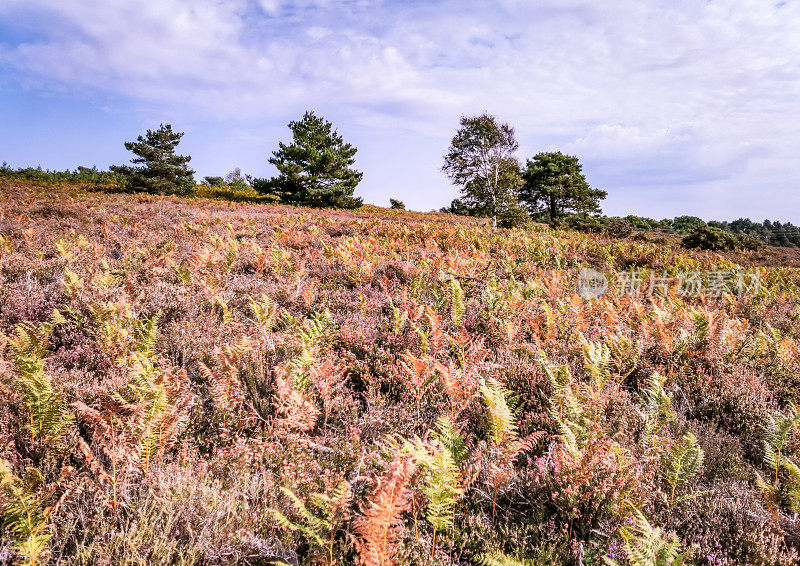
(229, 192)
(731, 526)
(513, 217)
(397, 204)
(280, 364)
(751, 242)
(685, 224)
(583, 223)
(619, 228)
(710, 238)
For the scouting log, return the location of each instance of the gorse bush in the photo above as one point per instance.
(581, 223)
(619, 228)
(711, 238)
(229, 383)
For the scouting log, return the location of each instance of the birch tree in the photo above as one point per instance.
(481, 160)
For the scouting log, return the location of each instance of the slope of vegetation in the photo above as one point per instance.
(189, 381)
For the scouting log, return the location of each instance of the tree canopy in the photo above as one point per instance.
(315, 169)
(554, 183)
(481, 159)
(157, 170)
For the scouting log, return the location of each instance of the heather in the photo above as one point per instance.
(194, 381)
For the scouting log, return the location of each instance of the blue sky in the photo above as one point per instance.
(677, 107)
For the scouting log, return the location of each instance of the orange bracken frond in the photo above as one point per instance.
(378, 524)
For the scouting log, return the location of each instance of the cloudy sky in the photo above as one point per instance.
(674, 107)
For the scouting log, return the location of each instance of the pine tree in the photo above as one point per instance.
(159, 170)
(554, 183)
(315, 169)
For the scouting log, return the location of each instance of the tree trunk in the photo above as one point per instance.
(552, 209)
(494, 195)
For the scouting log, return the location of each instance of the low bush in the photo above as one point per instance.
(234, 194)
(710, 238)
(239, 384)
(513, 217)
(751, 242)
(582, 223)
(619, 228)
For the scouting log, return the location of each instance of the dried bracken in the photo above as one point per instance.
(378, 524)
(238, 382)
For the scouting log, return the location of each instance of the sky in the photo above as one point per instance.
(675, 107)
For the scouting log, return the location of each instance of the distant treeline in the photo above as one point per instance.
(87, 175)
(774, 233)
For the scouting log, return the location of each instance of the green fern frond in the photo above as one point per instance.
(300, 369)
(317, 330)
(566, 408)
(314, 524)
(597, 361)
(452, 440)
(767, 489)
(701, 326)
(145, 333)
(502, 559)
(776, 434)
(184, 273)
(49, 416)
(441, 485)
(24, 516)
(265, 312)
(656, 409)
(399, 318)
(318, 529)
(646, 545)
(72, 283)
(684, 461)
(457, 301)
(286, 523)
(777, 431)
(502, 425)
(157, 401)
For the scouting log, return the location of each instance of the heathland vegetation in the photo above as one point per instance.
(192, 380)
(316, 170)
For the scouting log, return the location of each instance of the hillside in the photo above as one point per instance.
(210, 366)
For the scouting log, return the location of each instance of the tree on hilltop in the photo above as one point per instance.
(157, 170)
(481, 159)
(554, 183)
(315, 169)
